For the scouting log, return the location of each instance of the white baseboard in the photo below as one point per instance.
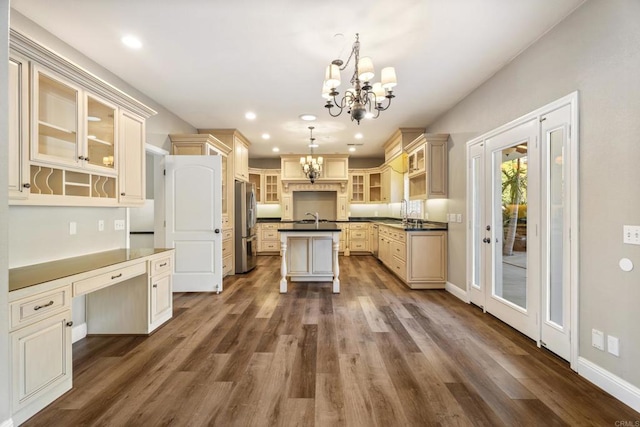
(456, 291)
(78, 332)
(7, 423)
(617, 387)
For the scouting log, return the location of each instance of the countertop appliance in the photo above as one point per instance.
(245, 225)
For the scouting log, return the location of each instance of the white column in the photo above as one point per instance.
(336, 267)
(283, 263)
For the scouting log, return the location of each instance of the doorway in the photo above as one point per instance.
(522, 198)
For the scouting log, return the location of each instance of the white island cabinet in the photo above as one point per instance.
(310, 253)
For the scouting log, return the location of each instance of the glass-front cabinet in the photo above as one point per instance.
(100, 139)
(57, 112)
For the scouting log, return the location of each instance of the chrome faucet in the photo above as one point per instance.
(404, 207)
(315, 216)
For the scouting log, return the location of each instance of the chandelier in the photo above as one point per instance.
(362, 97)
(312, 167)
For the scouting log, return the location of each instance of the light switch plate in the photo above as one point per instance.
(597, 339)
(631, 234)
(73, 228)
(101, 225)
(613, 345)
(458, 217)
(118, 224)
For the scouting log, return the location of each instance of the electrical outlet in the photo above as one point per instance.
(73, 228)
(101, 225)
(631, 234)
(597, 339)
(613, 345)
(118, 224)
(458, 217)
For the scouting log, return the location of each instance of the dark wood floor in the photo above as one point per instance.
(377, 354)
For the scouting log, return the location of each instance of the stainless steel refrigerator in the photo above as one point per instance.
(245, 225)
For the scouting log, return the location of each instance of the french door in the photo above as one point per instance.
(522, 258)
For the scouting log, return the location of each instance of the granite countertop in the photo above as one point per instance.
(23, 277)
(391, 222)
(312, 227)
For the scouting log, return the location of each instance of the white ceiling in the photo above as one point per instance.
(210, 61)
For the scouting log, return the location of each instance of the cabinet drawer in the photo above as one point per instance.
(399, 267)
(270, 246)
(359, 245)
(227, 234)
(359, 226)
(227, 265)
(227, 248)
(399, 250)
(36, 307)
(270, 234)
(162, 265)
(358, 234)
(269, 226)
(107, 279)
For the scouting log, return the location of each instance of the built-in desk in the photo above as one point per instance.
(127, 292)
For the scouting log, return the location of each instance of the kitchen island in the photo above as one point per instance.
(309, 253)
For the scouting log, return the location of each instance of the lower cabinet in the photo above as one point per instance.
(41, 364)
(161, 296)
(310, 258)
(227, 252)
(418, 258)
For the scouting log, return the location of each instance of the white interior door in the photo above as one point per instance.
(477, 225)
(511, 230)
(193, 203)
(556, 247)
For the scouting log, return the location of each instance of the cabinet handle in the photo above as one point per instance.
(69, 323)
(80, 158)
(163, 264)
(155, 286)
(116, 276)
(122, 194)
(26, 185)
(86, 158)
(38, 307)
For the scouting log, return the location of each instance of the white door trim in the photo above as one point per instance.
(571, 99)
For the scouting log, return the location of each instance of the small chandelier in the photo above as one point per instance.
(312, 167)
(363, 97)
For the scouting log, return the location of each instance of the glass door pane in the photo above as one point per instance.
(555, 217)
(510, 224)
(100, 134)
(57, 120)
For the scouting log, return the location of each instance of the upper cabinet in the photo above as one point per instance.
(81, 142)
(240, 146)
(335, 167)
(267, 182)
(427, 164)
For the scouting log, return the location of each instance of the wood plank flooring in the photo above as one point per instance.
(378, 354)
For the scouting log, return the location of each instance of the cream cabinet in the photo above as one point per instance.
(271, 187)
(375, 187)
(427, 161)
(419, 258)
(132, 160)
(343, 207)
(391, 183)
(65, 133)
(358, 186)
(269, 238)
(161, 291)
(256, 179)
(359, 237)
(335, 167)
(286, 207)
(227, 252)
(241, 158)
(18, 128)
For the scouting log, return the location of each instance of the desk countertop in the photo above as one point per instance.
(30, 275)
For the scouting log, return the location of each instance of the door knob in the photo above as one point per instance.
(26, 185)
(486, 240)
(217, 231)
(69, 324)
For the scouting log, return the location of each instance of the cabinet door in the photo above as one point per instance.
(385, 182)
(438, 169)
(241, 160)
(224, 181)
(56, 120)
(132, 159)
(255, 178)
(161, 297)
(343, 209)
(375, 190)
(18, 129)
(100, 135)
(41, 358)
(427, 257)
(357, 187)
(287, 208)
(271, 188)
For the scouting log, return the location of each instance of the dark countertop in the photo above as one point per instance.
(393, 222)
(23, 277)
(312, 227)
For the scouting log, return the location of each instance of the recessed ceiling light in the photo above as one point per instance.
(307, 117)
(131, 41)
(275, 149)
(352, 149)
(358, 136)
(250, 115)
(94, 119)
(369, 115)
(266, 136)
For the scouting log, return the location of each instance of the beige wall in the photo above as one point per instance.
(596, 51)
(5, 412)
